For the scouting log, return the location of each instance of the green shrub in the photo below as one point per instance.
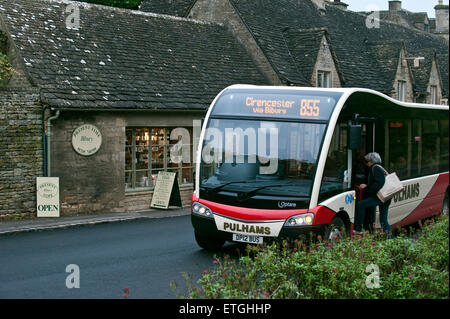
(6, 70)
(407, 268)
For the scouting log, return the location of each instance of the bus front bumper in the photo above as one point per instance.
(207, 228)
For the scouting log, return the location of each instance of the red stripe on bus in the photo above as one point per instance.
(430, 205)
(322, 214)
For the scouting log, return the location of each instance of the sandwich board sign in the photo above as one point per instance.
(166, 192)
(47, 196)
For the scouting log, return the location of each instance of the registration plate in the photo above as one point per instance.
(248, 239)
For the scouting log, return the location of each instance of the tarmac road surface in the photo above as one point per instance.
(144, 255)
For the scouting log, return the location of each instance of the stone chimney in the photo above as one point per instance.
(320, 4)
(441, 17)
(339, 4)
(395, 5)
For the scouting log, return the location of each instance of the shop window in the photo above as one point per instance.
(149, 151)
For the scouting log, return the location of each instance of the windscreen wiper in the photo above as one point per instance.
(216, 189)
(246, 195)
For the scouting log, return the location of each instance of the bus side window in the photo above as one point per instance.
(443, 161)
(430, 147)
(399, 147)
(333, 180)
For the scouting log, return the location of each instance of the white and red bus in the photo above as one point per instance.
(277, 162)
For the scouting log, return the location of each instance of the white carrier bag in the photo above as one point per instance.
(392, 185)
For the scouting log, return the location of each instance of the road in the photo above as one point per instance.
(144, 255)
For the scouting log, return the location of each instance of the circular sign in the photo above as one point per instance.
(47, 190)
(86, 139)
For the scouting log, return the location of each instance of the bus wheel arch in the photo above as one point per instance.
(339, 226)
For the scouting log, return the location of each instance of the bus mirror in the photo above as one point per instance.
(355, 136)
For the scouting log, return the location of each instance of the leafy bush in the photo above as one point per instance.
(6, 70)
(406, 267)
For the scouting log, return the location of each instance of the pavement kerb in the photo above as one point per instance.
(36, 224)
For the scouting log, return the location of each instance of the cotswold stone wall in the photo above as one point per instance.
(325, 62)
(21, 150)
(95, 183)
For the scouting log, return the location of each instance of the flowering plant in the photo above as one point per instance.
(412, 265)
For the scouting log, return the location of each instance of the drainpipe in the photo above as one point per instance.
(49, 133)
(44, 144)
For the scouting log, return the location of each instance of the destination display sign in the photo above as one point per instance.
(289, 106)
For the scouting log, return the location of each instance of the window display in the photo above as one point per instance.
(151, 150)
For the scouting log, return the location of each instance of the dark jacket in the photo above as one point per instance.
(375, 181)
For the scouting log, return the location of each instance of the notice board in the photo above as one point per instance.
(166, 192)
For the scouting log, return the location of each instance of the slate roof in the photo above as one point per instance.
(179, 8)
(385, 57)
(123, 59)
(442, 60)
(304, 47)
(423, 71)
(350, 38)
(405, 17)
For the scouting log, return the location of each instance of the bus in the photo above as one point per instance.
(281, 162)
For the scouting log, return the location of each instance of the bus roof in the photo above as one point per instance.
(346, 93)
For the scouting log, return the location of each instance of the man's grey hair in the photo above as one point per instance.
(373, 157)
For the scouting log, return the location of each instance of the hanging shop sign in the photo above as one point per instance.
(47, 196)
(86, 139)
(167, 192)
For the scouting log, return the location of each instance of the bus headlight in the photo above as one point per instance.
(202, 210)
(300, 220)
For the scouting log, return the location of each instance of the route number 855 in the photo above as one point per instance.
(309, 107)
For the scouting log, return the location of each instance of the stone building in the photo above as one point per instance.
(283, 36)
(135, 76)
(441, 22)
(138, 76)
(418, 20)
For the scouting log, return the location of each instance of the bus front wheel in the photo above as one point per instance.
(336, 229)
(209, 243)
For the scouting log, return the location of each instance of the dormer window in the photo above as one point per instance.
(401, 90)
(323, 79)
(433, 94)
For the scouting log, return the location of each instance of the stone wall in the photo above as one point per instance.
(89, 184)
(140, 201)
(403, 74)
(21, 150)
(96, 184)
(325, 62)
(435, 80)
